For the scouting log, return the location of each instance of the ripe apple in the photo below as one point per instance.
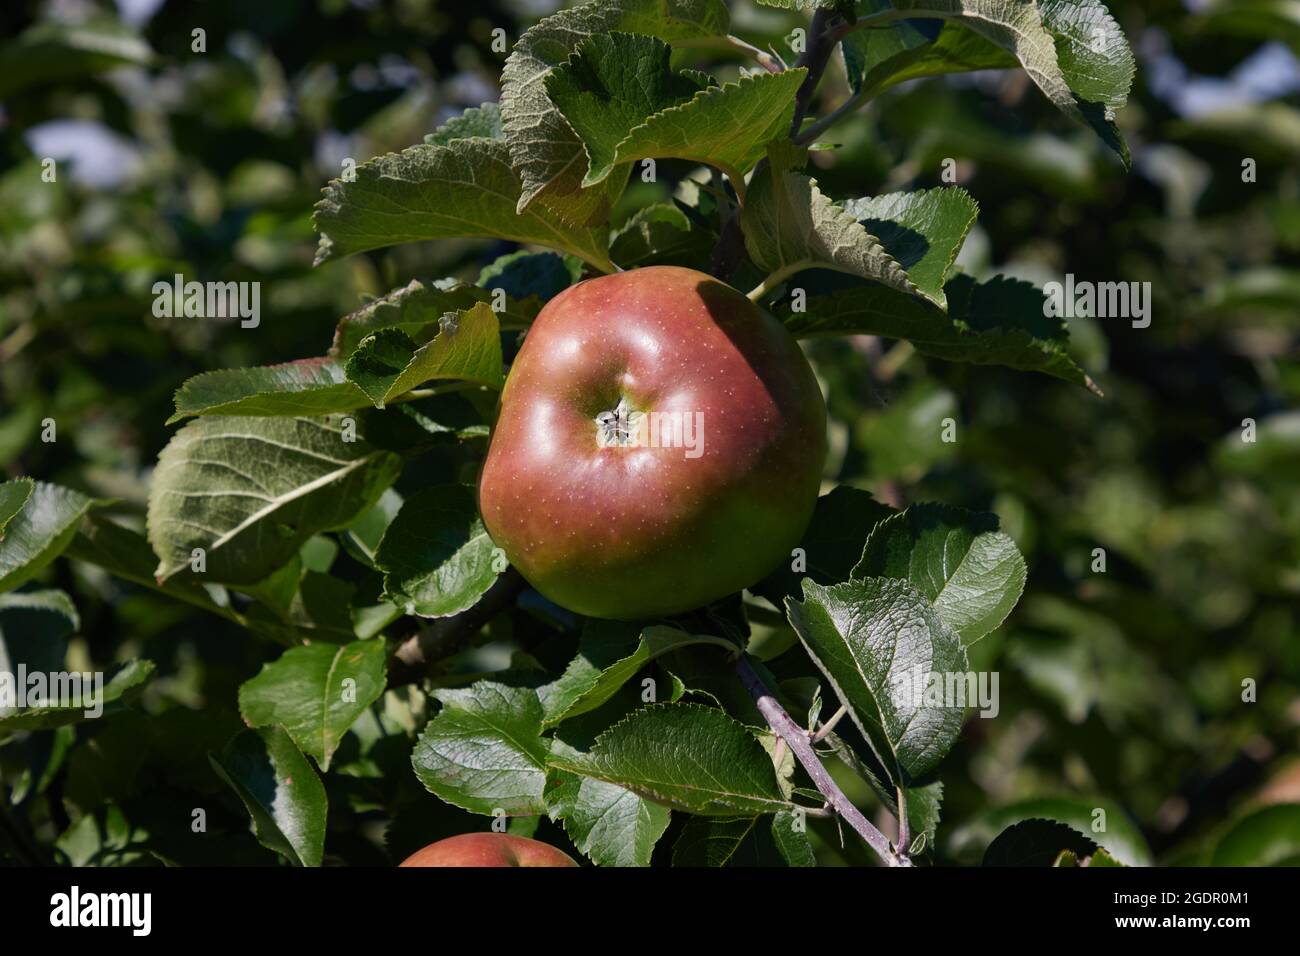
(488, 849)
(659, 446)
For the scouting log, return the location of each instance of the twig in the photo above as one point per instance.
(904, 831)
(827, 727)
(893, 360)
(16, 342)
(797, 739)
(826, 30)
(883, 19)
(410, 662)
(849, 106)
(764, 59)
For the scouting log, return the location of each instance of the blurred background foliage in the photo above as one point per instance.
(1123, 687)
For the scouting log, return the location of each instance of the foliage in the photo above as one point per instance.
(266, 537)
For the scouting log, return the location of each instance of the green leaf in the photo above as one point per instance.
(249, 491)
(545, 150)
(791, 837)
(878, 641)
(530, 277)
(790, 225)
(126, 554)
(315, 386)
(1036, 843)
(34, 631)
(1269, 836)
(436, 555)
(904, 440)
(620, 95)
(417, 309)
(609, 654)
(52, 51)
(39, 530)
(484, 751)
(751, 841)
(122, 683)
(361, 538)
(970, 571)
(924, 803)
(477, 121)
(1090, 77)
(311, 606)
(277, 589)
(660, 235)
(728, 127)
(922, 230)
(611, 83)
(832, 545)
(104, 837)
(686, 757)
(878, 58)
(1097, 819)
(416, 425)
(1096, 61)
(13, 495)
(712, 842)
(316, 693)
(282, 793)
(611, 826)
(467, 348)
(467, 188)
(1103, 859)
(999, 322)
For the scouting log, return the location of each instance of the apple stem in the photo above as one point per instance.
(798, 740)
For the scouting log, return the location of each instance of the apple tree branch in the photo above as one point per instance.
(801, 746)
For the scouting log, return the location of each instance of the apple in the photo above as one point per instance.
(659, 445)
(488, 849)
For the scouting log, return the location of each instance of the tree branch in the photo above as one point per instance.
(826, 30)
(848, 107)
(443, 637)
(797, 739)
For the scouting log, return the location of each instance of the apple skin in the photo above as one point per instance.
(628, 532)
(488, 849)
